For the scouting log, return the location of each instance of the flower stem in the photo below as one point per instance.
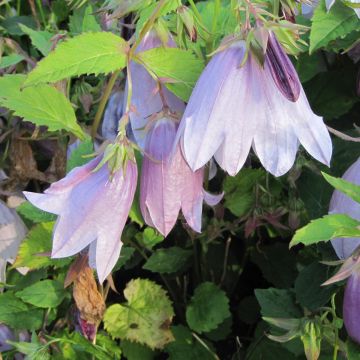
(103, 103)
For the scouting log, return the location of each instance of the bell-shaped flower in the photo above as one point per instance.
(167, 182)
(349, 249)
(235, 107)
(146, 99)
(93, 208)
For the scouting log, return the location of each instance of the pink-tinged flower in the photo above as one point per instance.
(93, 209)
(342, 204)
(234, 108)
(146, 99)
(167, 182)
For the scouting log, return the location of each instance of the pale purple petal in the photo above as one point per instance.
(329, 4)
(351, 306)
(48, 202)
(212, 199)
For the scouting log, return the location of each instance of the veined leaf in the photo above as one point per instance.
(327, 228)
(348, 188)
(330, 25)
(42, 105)
(89, 53)
(40, 39)
(9, 60)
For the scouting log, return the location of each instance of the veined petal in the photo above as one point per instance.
(351, 306)
(48, 202)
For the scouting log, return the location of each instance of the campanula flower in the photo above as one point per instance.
(234, 108)
(93, 209)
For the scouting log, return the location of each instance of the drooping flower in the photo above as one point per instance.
(235, 107)
(349, 249)
(93, 209)
(146, 99)
(167, 182)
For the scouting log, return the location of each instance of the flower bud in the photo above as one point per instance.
(311, 339)
(187, 18)
(282, 70)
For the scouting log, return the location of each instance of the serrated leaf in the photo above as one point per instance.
(327, 228)
(42, 105)
(83, 20)
(168, 260)
(37, 242)
(89, 53)
(135, 351)
(149, 238)
(348, 188)
(9, 60)
(44, 294)
(145, 318)
(178, 69)
(34, 214)
(17, 314)
(40, 39)
(78, 156)
(126, 254)
(208, 308)
(330, 25)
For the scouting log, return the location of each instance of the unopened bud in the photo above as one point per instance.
(187, 18)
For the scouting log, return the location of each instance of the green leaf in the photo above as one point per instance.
(277, 303)
(78, 155)
(89, 53)
(169, 260)
(34, 214)
(17, 314)
(135, 351)
(327, 228)
(45, 294)
(348, 188)
(149, 238)
(126, 254)
(12, 24)
(330, 25)
(208, 308)
(352, 350)
(309, 292)
(40, 39)
(9, 60)
(145, 318)
(42, 105)
(37, 242)
(178, 69)
(83, 20)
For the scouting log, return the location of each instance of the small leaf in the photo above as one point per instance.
(348, 188)
(327, 228)
(89, 53)
(78, 155)
(34, 214)
(208, 308)
(40, 39)
(168, 260)
(149, 238)
(9, 60)
(45, 294)
(83, 20)
(146, 318)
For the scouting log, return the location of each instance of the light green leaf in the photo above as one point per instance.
(17, 314)
(89, 53)
(348, 188)
(168, 260)
(40, 39)
(33, 250)
(77, 157)
(327, 228)
(83, 20)
(9, 60)
(330, 25)
(135, 351)
(44, 294)
(32, 213)
(149, 238)
(42, 105)
(178, 69)
(145, 318)
(208, 308)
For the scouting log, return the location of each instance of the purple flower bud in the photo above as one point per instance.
(168, 184)
(342, 204)
(5, 334)
(282, 70)
(351, 306)
(234, 108)
(92, 209)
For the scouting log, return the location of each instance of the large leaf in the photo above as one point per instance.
(42, 105)
(178, 69)
(89, 53)
(44, 294)
(327, 228)
(330, 25)
(208, 308)
(145, 318)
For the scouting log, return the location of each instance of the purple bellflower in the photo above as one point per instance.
(234, 108)
(93, 208)
(167, 182)
(349, 249)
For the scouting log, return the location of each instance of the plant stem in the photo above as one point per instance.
(195, 9)
(103, 103)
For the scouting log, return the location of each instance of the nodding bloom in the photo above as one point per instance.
(349, 249)
(93, 209)
(234, 108)
(146, 99)
(167, 182)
